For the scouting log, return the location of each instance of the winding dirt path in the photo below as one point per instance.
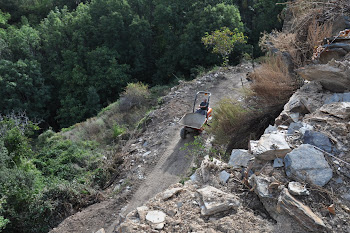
(169, 162)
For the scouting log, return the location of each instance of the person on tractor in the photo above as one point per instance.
(203, 107)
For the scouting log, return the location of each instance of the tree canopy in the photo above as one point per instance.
(62, 61)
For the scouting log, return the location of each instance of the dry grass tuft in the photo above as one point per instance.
(272, 81)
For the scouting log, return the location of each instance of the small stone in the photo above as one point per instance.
(194, 177)
(318, 139)
(179, 204)
(213, 200)
(270, 129)
(339, 180)
(270, 146)
(278, 162)
(297, 210)
(101, 231)
(294, 126)
(159, 226)
(155, 216)
(224, 176)
(147, 153)
(295, 188)
(170, 193)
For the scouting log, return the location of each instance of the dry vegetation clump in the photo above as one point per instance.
(311, 22)
(272, 82)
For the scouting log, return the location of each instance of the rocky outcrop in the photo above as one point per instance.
(334, 76)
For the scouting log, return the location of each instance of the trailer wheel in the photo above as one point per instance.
(183, 133)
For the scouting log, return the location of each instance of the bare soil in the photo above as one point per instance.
(154, 159)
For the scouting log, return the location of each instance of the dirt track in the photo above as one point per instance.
(167, 162)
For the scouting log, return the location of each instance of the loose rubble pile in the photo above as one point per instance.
(294, 179)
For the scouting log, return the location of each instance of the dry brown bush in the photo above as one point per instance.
(272, 81)
(317, 32)
(310, 23)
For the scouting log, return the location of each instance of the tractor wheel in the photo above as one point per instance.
(183, 133)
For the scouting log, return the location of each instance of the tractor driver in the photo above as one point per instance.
(203, 107)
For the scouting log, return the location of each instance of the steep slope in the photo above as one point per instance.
(153, 160)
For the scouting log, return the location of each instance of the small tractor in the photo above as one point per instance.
(194, 122)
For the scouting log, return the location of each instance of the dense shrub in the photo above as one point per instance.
(229, 116)
(39, 187)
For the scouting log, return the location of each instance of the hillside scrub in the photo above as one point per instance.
(42, 184)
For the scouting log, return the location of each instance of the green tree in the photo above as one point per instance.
(223, 42)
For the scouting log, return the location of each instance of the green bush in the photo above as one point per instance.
(118, 130)
(228, 117)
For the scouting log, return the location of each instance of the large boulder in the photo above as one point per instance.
(240, 158)
(308, 164)
(270, 146)
(333, 76)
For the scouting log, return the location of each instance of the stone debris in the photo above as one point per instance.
(278, 162)
(170, 193)
(296, 188)
(213, 201)
(294, 126)
(270, 146)
(224, 176)
(101, 231)
(240, 158)
(298, 211)
(308, 164)
(338, 97)
(270, 129)
(142, 212)
(340, 110)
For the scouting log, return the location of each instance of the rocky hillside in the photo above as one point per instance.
(295, 178)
